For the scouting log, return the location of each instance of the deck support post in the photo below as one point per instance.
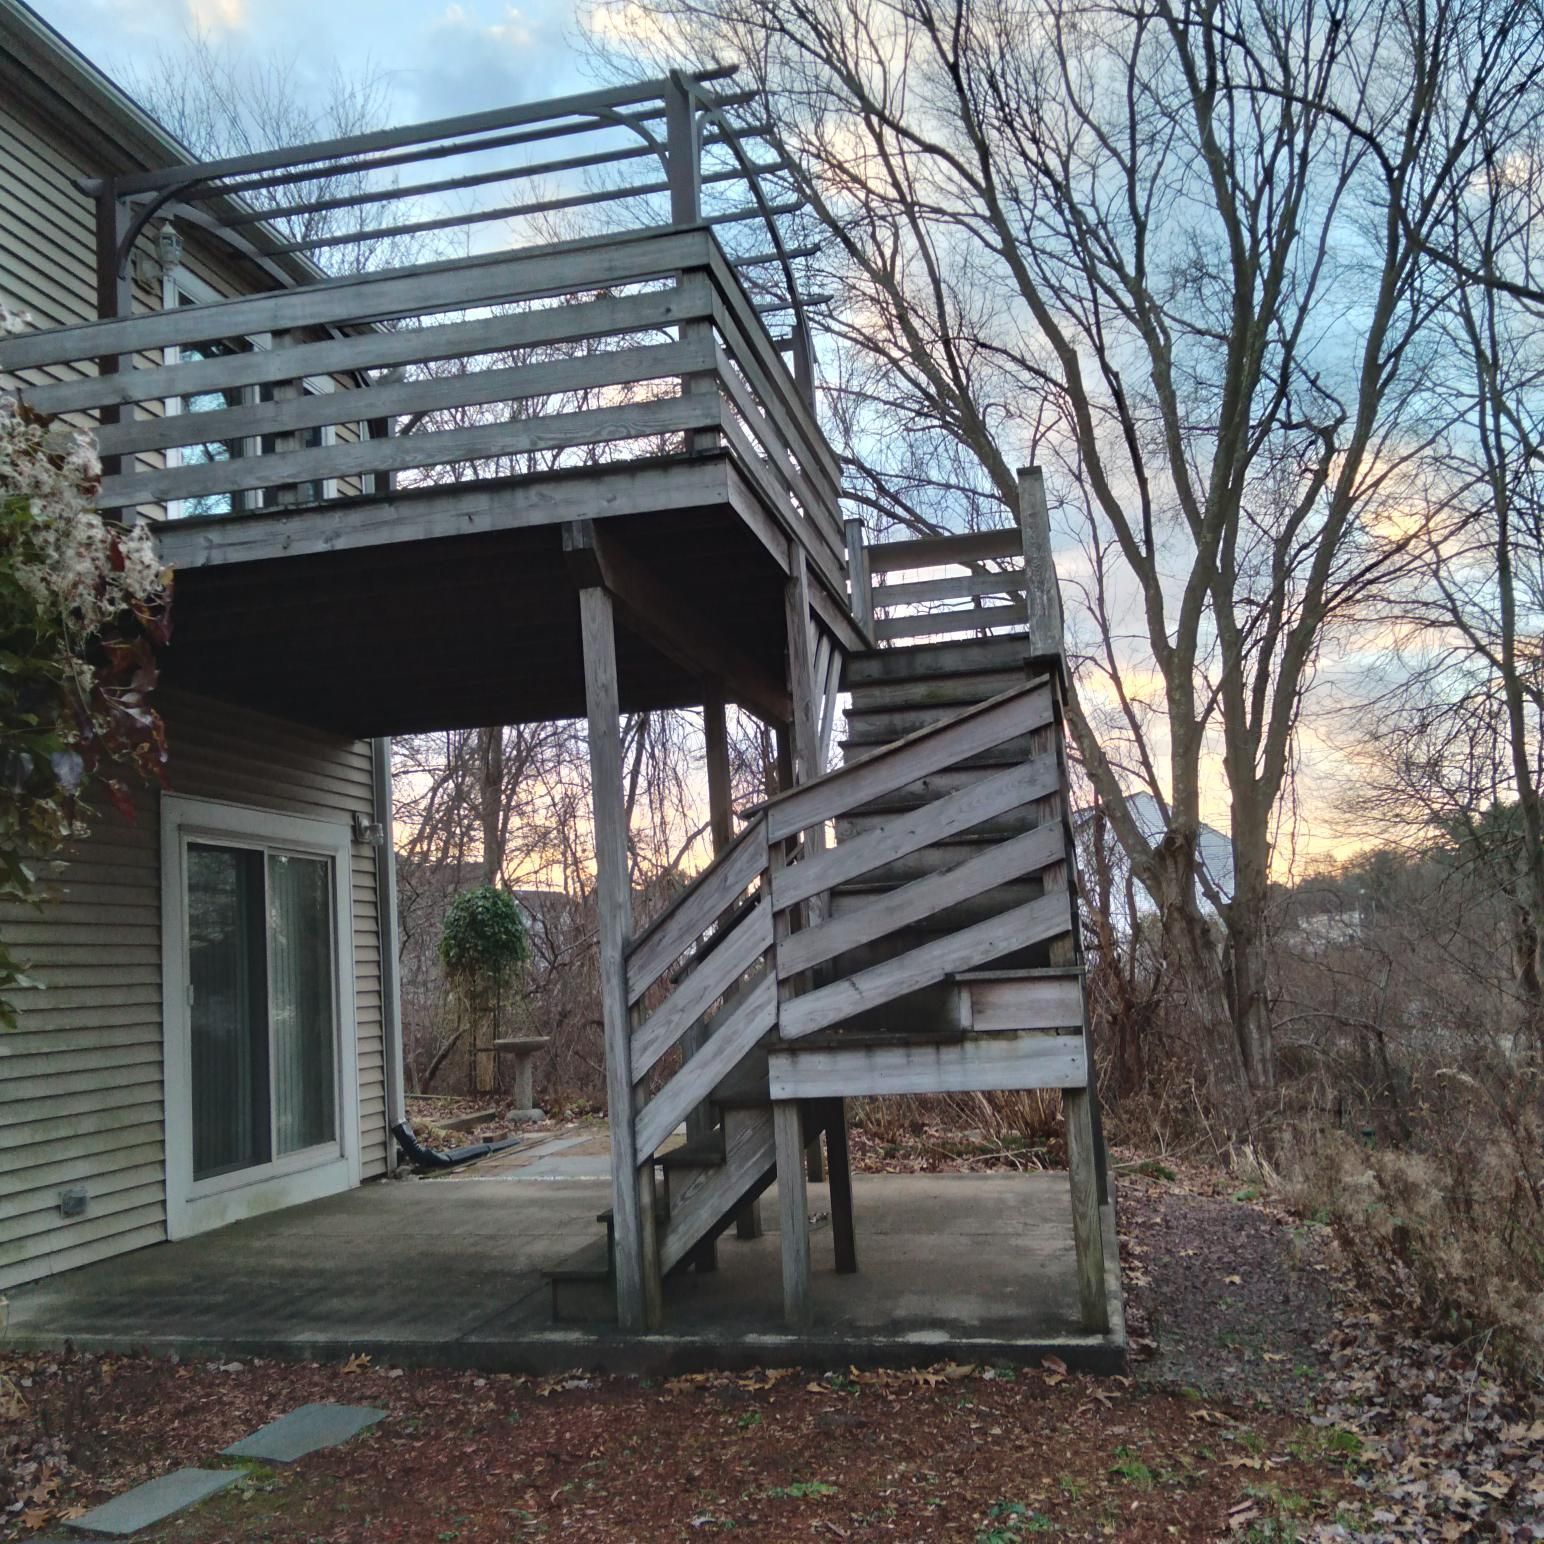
(747, 1221)
(635, 1248)
(115, 298)
(793, 1212)
(839, 1162)
(1087, 1228)
(801, 669)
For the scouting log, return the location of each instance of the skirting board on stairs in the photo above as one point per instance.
(912, 1066)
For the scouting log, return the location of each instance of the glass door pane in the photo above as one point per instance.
(228, 1009)
(300, 976)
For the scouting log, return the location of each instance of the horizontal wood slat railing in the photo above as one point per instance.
(741, 951)
(899, 596)
(605, 350)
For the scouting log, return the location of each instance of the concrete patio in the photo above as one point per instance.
(450, 1271)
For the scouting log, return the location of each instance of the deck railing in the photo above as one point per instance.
(592, 352)
(979, 584)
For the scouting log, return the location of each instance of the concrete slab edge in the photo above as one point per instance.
(608, 1351)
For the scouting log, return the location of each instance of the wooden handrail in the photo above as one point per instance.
(485, 279)
(696, 909)
(927, 750)
(934, 551)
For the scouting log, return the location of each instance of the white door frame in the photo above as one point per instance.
(195, 1207)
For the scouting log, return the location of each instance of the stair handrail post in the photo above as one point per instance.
(1042, 594)
(859, 582)
(683, 171)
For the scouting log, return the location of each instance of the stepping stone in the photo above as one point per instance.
(154, 1501)
(302, 1431)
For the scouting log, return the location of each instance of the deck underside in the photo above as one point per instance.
(449, 608)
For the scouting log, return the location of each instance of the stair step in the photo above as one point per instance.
(957, 691)
(922, 660)
(1030, 957)
(1014, 822)
(891, 724)
(922, 862)
(931, 1012)
(1008, 753)
(703, 1201)
(952, 918)
(910, 796)
(583, 1288)
(746, 1086)
(706, 1153)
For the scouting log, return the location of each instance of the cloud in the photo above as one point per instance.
(470, 61)
(210, 16)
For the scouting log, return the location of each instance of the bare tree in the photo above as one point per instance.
(220, 102)
(1458, 744)
(1176, 250)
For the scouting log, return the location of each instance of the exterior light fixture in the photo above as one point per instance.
(168, 246)
(367, 832)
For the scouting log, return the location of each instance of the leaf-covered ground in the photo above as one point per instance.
(1262, 1406)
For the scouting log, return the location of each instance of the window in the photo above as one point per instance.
(184, 289)
(260, 1082)
(261, 1017)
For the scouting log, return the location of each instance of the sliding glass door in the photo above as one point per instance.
(262, 1011)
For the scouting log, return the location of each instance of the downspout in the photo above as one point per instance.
(386, 907)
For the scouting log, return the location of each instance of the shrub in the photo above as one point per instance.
(83, 603)
(483, 939)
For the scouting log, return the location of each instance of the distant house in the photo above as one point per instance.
(214, 1035)
(1315, 933)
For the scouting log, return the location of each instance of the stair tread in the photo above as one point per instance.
(867, 1039)
(592, 1263)
(1040, 971)
(919, 660)
(706, 1154)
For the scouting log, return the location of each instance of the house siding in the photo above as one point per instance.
(81, 1075)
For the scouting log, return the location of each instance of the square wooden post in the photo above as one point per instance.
(839, 1161)
(1087, 1228)
(747, 1221)
(635, 1247)
(1047, 631)
(793, 1212)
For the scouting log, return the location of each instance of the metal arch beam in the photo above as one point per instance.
(592, 102)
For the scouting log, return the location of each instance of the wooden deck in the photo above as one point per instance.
(434, 582)
(474, 617)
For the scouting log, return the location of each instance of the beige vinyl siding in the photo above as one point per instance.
(46, 230)
(80, 1078)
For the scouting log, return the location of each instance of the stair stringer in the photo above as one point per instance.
(704, 1202)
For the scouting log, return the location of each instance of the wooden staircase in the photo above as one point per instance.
(931, 947)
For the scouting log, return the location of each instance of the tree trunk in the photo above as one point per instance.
(490, 764)
(1245, 919)
(1190, 950)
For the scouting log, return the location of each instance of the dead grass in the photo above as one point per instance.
(1451, 1233)
(1019, 1131)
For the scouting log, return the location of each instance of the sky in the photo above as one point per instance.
(435, 58)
